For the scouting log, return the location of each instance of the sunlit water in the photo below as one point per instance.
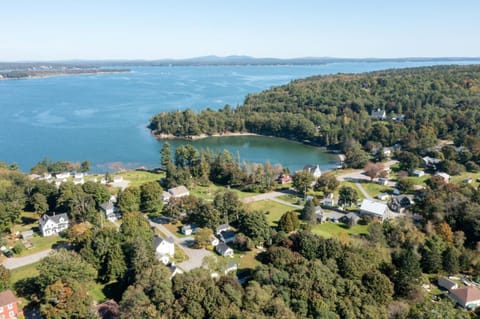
(103, 117)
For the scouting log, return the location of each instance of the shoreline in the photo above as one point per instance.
(45, 75)
(163, 136)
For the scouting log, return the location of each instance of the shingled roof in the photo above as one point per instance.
(7, 297)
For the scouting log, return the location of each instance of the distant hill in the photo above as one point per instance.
(215, 60)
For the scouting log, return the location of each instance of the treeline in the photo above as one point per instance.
(428, 104)
(189, 166)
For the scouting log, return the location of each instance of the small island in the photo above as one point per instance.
(16, 71)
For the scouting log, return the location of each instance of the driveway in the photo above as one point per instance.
(195, 256)
(17, 262)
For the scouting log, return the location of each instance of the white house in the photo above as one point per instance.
(164, 249)
(109, 210)
(223, 250)
(52, 225)
(383, 181)
(468, 297)
(329, 200)
(189, 229)
(175, 192)
(374, 208)
(313, 170)
(221, 228)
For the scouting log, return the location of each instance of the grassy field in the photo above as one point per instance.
(209, 192)
(23, 272)
(329, 229)
(247, 260)
(137, 178)
(275, 210)
(294, 199)
(373, 188)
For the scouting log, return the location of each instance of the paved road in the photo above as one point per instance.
(17, 262)
(195, 256)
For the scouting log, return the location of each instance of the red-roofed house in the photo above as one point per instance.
(468, 297)
(8, 305)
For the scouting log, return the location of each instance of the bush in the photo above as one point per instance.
(18, 248)
(472, 167)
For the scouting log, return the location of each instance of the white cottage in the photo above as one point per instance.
(110, 211)
(52, 225)
(164, 249)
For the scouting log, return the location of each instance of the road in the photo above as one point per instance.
(17, 262)
(195, 256)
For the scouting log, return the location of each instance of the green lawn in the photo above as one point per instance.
(330, 229)
(175, 229)
(294, 199)
(373, 188)
(419, 180)
(274, 210)
(209, 192)
(27, 271)
(137, 178)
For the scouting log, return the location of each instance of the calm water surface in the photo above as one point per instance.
(103, 118)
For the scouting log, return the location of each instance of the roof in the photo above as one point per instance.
(158, 240)
(107, 205)
(54, 218)
(221, 248)
(446, 283)
(7, 297)
(228, 234)
(373, 207)
(177, 191)
(27, 233)
(467, 294)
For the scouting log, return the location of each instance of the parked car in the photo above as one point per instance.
(6, 252)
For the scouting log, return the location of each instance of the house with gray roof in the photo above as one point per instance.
(164, 248)
(374, 209)
(223, 250)
(53, 225)
(111, 213)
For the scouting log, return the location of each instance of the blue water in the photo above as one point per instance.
(103, 118)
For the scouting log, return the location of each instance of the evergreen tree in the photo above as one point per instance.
(308, 213)
(165, 155)
(289, 222)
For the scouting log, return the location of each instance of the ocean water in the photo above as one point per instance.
(103, 117)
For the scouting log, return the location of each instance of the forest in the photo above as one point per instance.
(422, 105)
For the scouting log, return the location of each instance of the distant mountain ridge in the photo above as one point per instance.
(218, 60)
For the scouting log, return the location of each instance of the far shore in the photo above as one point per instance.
(48, 74)
(201, 136)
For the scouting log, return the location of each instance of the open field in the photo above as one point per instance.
(373, 188)
(209, 192)
(137, 178)
(329, 229)
(274, 210)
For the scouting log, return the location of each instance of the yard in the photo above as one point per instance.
(23, 272)
(209, 192)
(274, 210)
(373, 188)
(137, 178)
(330, 229)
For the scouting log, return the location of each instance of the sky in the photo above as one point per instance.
(156, 29)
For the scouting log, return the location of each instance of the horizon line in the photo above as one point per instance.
(237, 57)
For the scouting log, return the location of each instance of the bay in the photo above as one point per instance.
(103, 117)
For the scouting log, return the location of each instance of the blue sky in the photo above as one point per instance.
(148, 29)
